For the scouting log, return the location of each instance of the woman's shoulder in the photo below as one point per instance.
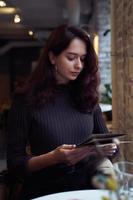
(97, 108)
(19, 102)
(19, 108)
(18, 99)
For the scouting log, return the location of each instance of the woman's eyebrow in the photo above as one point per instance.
(76, 54)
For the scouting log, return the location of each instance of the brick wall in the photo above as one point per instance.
(122, 67)
(103, 27)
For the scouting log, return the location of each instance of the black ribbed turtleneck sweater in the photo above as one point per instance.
(47, 127)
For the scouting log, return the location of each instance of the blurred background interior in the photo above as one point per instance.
(24, 28)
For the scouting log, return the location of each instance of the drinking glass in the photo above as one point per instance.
(124, 175)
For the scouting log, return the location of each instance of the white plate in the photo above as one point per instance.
(77, 195)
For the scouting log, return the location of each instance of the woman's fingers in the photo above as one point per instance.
(68, 153)
(68, 146)
(80, 153)
(107, 149)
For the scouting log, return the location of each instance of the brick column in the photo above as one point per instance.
(122, 70)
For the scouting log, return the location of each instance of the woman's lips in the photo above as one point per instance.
(75, 73)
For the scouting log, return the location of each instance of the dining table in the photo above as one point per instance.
(105, 107)
(98, 194)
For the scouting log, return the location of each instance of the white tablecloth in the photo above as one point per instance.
(78, 195)
(105, 107)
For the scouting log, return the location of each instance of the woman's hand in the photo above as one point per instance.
(70, 155)
(107, 149)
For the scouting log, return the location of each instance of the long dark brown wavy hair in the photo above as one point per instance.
(41, 85)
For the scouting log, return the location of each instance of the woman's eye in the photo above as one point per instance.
(82, 59)
(70, 58)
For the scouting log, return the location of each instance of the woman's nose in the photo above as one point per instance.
(78, 63)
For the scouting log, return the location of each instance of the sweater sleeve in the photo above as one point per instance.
(17, 139)
(100, 127)
(99, 122)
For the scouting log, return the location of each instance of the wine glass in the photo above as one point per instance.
(124, 175)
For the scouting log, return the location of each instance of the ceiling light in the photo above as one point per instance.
(30, 33)
(9, 10)
(96, 44)
(17, 18)
(2, 3)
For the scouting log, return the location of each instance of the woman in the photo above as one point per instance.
(55, 110)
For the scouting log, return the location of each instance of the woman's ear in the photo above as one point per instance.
(52, 58)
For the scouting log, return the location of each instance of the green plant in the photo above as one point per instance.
(107, 95)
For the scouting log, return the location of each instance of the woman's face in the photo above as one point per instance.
(70, 62)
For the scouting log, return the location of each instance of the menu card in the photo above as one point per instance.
(105, 138)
